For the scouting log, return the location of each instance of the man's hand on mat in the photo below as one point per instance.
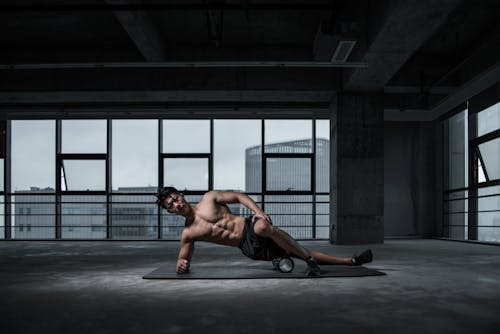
(182, 266)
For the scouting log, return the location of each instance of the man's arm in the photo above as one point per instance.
(228, 197)
(185, 254)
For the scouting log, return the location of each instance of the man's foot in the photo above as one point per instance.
(362, 258)
(312, 267)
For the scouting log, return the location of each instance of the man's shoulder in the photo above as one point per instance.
(211, 195)
(187, 235)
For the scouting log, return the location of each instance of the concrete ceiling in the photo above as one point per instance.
(418, 53)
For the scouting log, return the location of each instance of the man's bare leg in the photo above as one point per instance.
(289, 244)
(323, 258)
(263, 229)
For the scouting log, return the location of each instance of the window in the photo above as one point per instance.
(83, 216)
(323, 156)
(134, 216)
(472, 166)
(490, 157)
(36, 210)
(134, 155)
(288, 136)
(186, 154)
(186, 173)
(84, 136)
(237, 155)
(186, 136)
(288, 174)
(95, 178)
(33, 141)
(86, 175)
(488, 120)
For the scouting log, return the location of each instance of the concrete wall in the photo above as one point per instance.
(358, 179)
(410, 179)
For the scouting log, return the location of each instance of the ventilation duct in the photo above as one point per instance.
(334, 46)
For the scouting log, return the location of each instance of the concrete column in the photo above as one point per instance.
(357, 173)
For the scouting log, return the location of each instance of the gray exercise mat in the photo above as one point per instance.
(260, 271)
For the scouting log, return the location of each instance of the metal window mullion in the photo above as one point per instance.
(58, 194)
(160, 174)
(210, 158)
(263, 164)
(185, 155)
(7, 183)
(313, 178)
(473, 180)
(486, 138)
(109, 180)
(82, 156)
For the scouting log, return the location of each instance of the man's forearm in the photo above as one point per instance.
(249, 203)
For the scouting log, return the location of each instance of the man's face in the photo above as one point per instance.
(175, 203)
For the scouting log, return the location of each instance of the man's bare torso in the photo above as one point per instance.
(214, 222)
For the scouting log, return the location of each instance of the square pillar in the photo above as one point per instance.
(357, 172)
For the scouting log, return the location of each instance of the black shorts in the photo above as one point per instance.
(258, 248)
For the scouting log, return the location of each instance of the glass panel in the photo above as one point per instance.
(186, 136)
(495, 190)
(288, 136)
(455, 231)
(322, 220)
(253, 169)
(490, 152)
(134, 217)
(237, 165)
(322, 226)
(292, 214)
(241, 210)
(288, 174)
(489, 214)
(186, 173)
(456, 203)
(83, 217)
(456, 208)
(323, 156)
(84, 136)
(172, 225)
(135, 154)
(33, 144)
(83, 175)
(456, 151)
(488, 120)
(490, 234)
(481, 176)
(33, 217)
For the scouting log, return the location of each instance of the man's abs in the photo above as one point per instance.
(226, 231)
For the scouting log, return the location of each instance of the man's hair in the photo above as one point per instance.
(164, 193)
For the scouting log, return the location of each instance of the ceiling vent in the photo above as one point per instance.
(333, 45)
(343, 50)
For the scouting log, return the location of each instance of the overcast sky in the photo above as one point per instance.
(135, 151)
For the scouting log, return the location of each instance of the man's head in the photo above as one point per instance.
(172, 200)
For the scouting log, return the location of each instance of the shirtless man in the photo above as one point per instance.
(211, 220)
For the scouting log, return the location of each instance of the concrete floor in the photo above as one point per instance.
(432, 286)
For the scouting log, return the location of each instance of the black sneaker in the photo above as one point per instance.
(312, 267)
(362, 258)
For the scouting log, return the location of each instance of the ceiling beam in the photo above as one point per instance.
(172, 96)
(406, 27)
(134, 6)
(186, 64)
(468, 90)
(141, 31)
